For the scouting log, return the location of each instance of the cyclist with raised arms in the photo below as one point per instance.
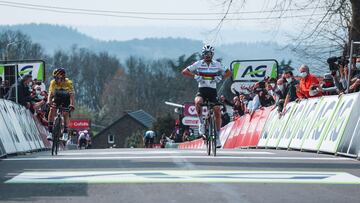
(207, 72)
(61, 92)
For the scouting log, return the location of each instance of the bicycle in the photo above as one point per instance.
(210, 127)
(58, 129)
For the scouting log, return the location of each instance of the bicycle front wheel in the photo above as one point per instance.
(56, 135)
(213, 136)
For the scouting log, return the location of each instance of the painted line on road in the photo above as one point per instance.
(183, 157)
(185, 176)
(162, 152)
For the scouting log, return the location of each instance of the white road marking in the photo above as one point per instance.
(186, 176)
(159, 152)
(176, 156)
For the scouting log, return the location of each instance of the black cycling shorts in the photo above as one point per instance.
(208, 93)
(62, 97)
(149, 140)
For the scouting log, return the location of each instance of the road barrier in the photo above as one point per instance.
(19, 130)
(329, 124)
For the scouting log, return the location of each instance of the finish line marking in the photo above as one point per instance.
(219, 157)
(185, 176)
(161, 152)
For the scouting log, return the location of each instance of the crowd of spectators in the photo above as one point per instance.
(278, 92)
(29, 93)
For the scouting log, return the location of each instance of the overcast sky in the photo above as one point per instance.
(123, 28)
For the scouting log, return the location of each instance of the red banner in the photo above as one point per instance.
(241, 135)
(195, 144)
(255, 137)
(80, 124)
(234, 132)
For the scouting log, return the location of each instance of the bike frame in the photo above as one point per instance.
(57, 129)
(210, 128)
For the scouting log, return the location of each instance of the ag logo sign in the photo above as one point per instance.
(253, 70)
(26, 70)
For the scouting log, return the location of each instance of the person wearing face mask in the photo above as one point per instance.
(292, 84)
(309, 84)
(23, 92)
(280, 92)
(355, 86)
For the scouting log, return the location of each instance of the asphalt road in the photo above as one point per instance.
(171, 175)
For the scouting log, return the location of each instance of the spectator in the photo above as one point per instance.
(328, 85)
(308, 84)
(281, 92)
(355, 85)
(185, 135)
(238, 106)
(163, 140)
(261, 99)
(5, 88)
(23, 92)
(1, 88)
(225, 118)
(292, 84)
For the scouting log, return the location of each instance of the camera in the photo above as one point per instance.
(335, 62)
(342, 61)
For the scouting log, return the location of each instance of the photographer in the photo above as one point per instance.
(355, 86)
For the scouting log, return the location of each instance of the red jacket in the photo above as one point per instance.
(305, 85)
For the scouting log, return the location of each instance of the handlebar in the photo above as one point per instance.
(211, 104)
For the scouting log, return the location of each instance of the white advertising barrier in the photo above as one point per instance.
(225, 132)
(350, 141)
(281, 123)
(6, 136)
(12, 130)
(269, 125)
(315, 130)
(293, 124)
(2, 150)
(34, 129)
(339, 122)
(306, 120)
(28, 123)
(23, 144)
(20, 113)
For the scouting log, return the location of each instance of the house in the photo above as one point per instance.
(116, 133)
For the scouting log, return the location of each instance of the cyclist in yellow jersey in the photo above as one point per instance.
(61, 92)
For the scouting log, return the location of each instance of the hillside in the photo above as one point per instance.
(54, 37)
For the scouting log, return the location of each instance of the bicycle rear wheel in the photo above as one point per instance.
(56, 135)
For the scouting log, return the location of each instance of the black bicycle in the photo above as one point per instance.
(58, 129)
(210, 127)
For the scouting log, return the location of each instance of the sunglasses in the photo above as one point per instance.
(208, 53)
(59, 78)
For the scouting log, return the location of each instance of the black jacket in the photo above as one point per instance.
(23, 94)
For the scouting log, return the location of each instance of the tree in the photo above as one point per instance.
(164, 125)
(285, 66)
(22, 47)
(328, 30)
(135, 140)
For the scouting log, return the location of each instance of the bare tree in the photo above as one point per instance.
(328, 29)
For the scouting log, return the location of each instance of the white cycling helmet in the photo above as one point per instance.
(207, 48)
